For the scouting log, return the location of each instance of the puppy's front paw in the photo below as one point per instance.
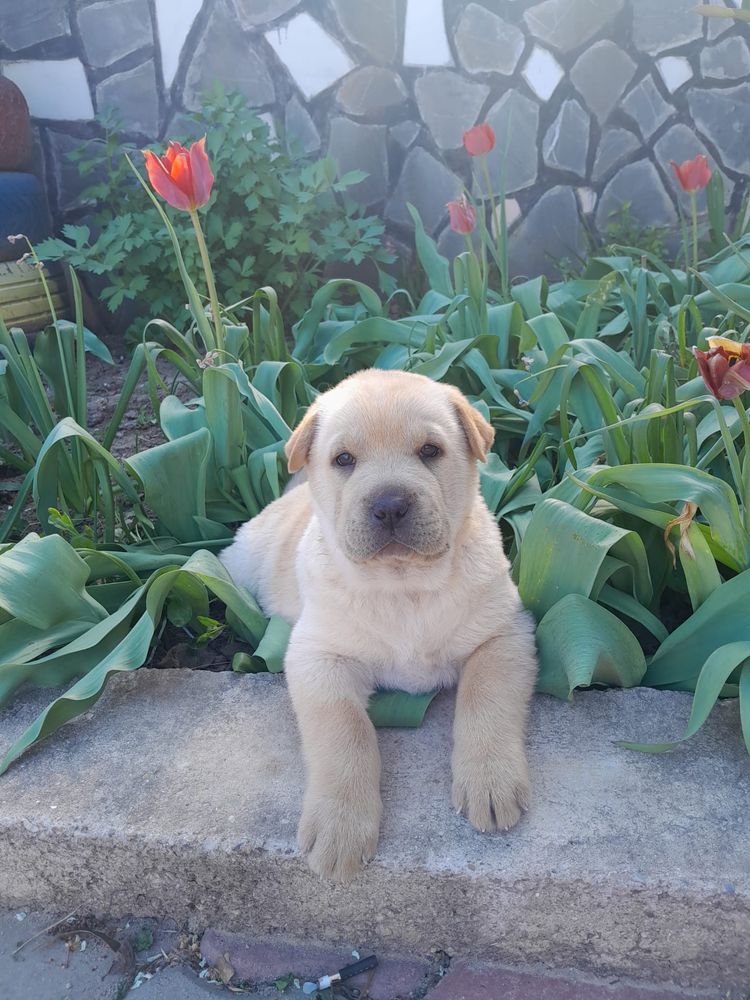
(338, 836)
(491, 791)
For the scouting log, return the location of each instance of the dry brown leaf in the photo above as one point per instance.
(683, 520)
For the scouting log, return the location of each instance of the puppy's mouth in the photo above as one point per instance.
(397, 551)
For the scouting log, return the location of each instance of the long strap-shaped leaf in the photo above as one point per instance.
(719, 666)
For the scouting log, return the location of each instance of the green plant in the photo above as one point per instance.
(273, 220)
(617, 479)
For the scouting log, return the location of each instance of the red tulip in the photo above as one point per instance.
(692, 175)
(725, 367)
(182, 176)
(463, 216)
(479, 140)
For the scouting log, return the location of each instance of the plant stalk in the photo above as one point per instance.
(208, 271)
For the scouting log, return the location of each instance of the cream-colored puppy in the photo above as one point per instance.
(391, 569)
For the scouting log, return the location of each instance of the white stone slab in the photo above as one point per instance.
(314, 59)
(674, 70)
(53, 88)
(425, 37)
(542, 72)
(174, 19)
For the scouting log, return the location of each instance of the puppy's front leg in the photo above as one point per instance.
(490, 773)
(341, 811)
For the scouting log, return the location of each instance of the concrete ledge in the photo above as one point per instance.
(178, 795)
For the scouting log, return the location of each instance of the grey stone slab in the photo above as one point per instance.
(615, 146)
(112, 29)
(179, 792)
(658, 27)
(226, 56)
(569, 24)
(301, 132)
(251, 13)
(405, 133)
(601, 75)
(375, 29)
(371, 90)
(647, 107)
(45, 970)
(549, 233)
(515, 120)
(566, 142)
(25, 24)
(640, 186)
(681, 143)
(133, 94)
(426, 183)
(68, 180)
(182, 983)
(449, 105)
(487, 43)
(728, 60)
(361, 147)
(723, 116)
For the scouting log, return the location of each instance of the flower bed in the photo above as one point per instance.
(619, 475)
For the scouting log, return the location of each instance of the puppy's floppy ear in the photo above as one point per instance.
(479, 433)
(297, 448)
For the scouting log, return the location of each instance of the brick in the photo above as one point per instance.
(263, 962)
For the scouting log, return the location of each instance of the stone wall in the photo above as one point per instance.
(590, 99)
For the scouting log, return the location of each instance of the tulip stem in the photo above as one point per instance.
(745, 423)
(731, 450)
(502, 261)
(694, 217)
(208, 271)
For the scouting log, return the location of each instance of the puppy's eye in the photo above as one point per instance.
(344, 459)
(429, 451)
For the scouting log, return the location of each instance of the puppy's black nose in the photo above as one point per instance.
(389, 508)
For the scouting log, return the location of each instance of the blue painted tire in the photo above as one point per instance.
(23, 209)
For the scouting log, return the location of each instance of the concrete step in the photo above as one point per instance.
(178, 794)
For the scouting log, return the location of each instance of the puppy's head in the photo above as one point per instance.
(391, 462)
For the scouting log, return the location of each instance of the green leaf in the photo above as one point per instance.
(566, 551)
(718, 668)
(398, 709)
(42, 583)
(174, 482)
(435, 266)
(721, 619)
(582, 644)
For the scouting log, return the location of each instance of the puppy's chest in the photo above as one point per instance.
(415, 643)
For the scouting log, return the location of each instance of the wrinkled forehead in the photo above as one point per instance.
(387, 415)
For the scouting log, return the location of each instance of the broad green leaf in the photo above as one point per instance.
(398, 708)
(42, 583)
(564, 552)
(721, 619)
(174, 481)
(582, 644)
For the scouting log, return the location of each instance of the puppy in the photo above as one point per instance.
(391, 569)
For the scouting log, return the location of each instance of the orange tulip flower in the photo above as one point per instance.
(480, 140)
(463, 216)
(692, 175)
(182, 176)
